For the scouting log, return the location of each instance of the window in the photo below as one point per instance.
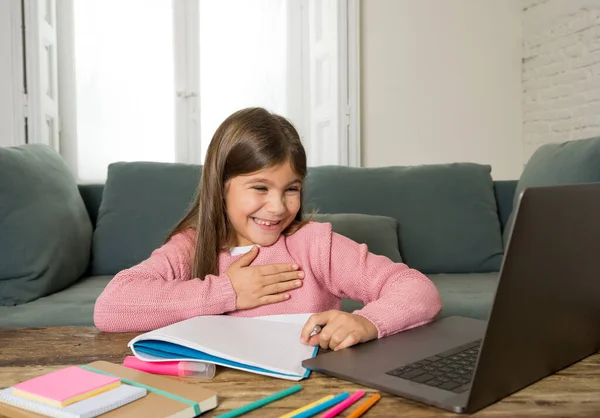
(152, 79)
(124, 78)
(248, 63)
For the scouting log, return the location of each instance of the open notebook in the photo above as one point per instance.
(268, 345)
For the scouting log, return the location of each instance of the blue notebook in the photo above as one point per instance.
(265, 345)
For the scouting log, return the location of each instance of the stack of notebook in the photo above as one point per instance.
(106, 389)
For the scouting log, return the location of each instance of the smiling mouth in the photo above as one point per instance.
(265, 222)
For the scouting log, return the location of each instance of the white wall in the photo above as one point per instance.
(561, 71)
(441, 82)
(8, 129)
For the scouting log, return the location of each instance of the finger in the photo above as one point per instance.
(281, 287)
(269, 299)
(328, 332)
(270, 269)
(282, 277)
(350, 340)
(314, 340)
(247, 258)
(314, 320)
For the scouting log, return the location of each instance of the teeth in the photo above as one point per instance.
(261, 222)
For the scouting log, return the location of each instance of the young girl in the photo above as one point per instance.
(244, 250)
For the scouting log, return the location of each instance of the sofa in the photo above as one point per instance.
(450, 221)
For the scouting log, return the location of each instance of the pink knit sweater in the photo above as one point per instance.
(159, 291)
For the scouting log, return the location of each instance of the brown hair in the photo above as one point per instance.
(249, 140)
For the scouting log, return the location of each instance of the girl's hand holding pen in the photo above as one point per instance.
(337, 330)
(262, 285)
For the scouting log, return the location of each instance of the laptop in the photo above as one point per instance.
(545, 316)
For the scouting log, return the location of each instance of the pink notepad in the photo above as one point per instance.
(65, 386)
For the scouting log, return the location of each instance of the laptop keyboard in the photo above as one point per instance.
(450, 370)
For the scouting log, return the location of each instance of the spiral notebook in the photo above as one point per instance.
(268, 345)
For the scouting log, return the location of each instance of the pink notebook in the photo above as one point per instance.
(65, 386)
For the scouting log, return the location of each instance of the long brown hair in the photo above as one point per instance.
(249, 140)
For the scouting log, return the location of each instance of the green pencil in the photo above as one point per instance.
(257, 404)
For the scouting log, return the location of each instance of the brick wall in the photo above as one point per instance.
(561, 71)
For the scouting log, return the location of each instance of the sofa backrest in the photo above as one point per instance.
(450, 216)
(447, 213)
(505, 193)
(503, 189)
(92, 197)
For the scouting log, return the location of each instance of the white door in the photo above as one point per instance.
(12, 118)
(324, 66)
(41, 72)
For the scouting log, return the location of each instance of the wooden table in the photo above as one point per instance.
(27, 353)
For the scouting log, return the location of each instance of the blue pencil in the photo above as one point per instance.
(257, 404)
(322, 406)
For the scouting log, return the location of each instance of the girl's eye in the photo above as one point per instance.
(293, 189)
(260, 188)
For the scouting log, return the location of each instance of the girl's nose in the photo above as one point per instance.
(276, 205)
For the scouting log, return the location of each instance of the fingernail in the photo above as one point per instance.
(297, 282)
(301, 274)
(287, 296)
(294, 266)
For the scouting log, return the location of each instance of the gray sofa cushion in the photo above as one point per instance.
(45, 230)
(141, 203)
(378, 232)
(447, 214)
(469, 295)
(73, 306)
(569, 162)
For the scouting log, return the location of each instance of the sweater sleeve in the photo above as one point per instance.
(159, 291)
(396, 297)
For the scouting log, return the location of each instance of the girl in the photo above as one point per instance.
(244, 250)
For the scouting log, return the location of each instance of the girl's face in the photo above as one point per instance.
(261, 205)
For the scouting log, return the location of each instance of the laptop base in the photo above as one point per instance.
(367, 364)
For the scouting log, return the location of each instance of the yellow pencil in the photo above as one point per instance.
(364, 406)
(304, 408)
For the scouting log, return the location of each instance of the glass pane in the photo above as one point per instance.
(125, 86)
(51, 140)
(49, 73)
(48, 8)
(243, 59)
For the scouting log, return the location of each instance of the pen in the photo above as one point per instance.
(322, 406)
(305, 407)
(316, 330)
(364, 406)
(175, 368)
(336, 410)
(257, 404)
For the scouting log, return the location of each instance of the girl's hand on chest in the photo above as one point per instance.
(261, 285)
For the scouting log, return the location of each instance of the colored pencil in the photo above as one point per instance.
(261, 402)
(344, 405)
(364, 406)
(322, 406)
(305, 407)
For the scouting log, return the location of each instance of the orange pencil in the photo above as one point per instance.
(364, 406)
